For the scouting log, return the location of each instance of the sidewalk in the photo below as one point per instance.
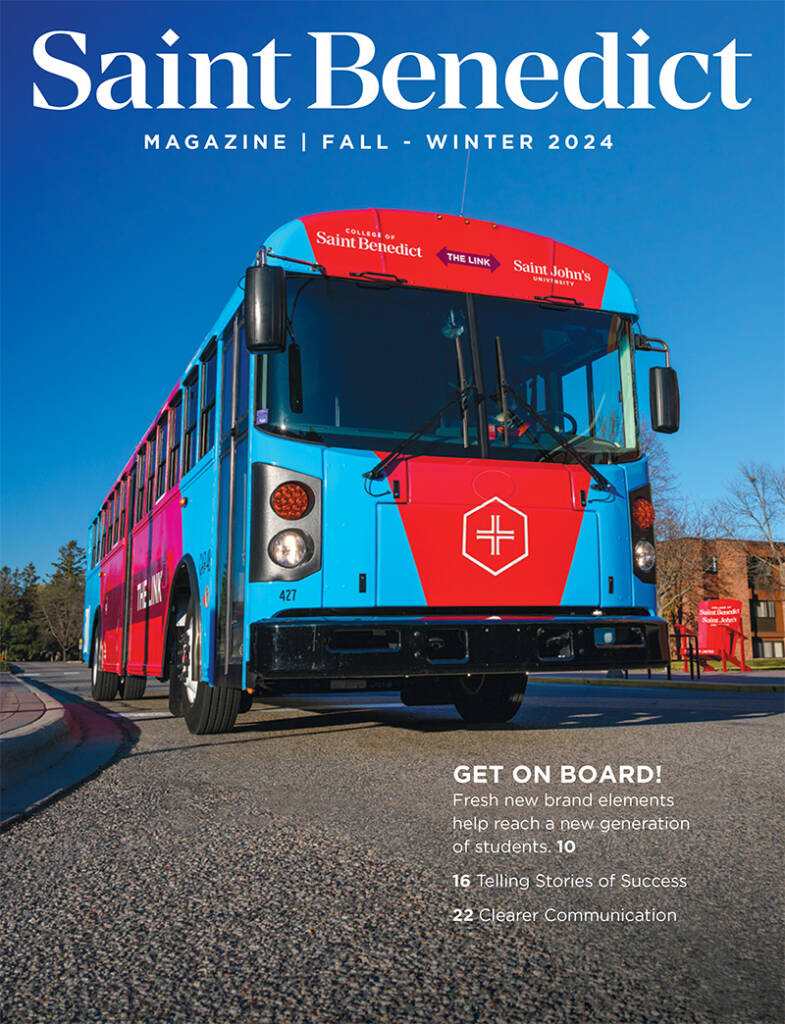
(48, 745)
(34, 730)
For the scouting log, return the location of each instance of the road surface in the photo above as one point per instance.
(301, 868)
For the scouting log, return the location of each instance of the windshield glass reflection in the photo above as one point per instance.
(379, 361)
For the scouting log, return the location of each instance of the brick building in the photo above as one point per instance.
(734, 569)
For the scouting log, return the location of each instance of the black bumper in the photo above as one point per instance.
(352, 648)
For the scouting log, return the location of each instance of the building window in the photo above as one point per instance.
(764, 616)
(767, 648)
(175, 426)
(163, 451)
(711, 565)
(760, 575)
(191, 417)
(207, 428)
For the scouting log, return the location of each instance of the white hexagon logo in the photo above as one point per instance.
(495, 536)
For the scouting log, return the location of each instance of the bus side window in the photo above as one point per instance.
(116, 517)
(163, 451)
(123, 502)
(148, 503)
(94, 534)
(140, 464)
(191, 418)
(132, 497)
(175, 426)
(104, 518)
(207, 429)
(243, 374)
(109, 523)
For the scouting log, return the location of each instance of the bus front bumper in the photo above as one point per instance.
(350, 648)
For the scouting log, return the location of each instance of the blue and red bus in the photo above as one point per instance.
(405, 457)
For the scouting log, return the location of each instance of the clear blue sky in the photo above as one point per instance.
(116, 261)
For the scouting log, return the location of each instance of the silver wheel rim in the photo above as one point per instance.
(96, 658)
(190, 685)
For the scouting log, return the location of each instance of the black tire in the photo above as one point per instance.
(104, 685)
(214, 710)
(489, 699)
(206, 709)
(133, 687)
(246, 701)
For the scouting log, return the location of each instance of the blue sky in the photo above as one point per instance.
(115, 261)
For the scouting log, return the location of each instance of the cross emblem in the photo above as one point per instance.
(495, 535)
(503, 528)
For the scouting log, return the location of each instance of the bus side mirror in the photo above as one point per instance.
(265, 309)
(664, 399)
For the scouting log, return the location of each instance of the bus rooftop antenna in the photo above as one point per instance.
(465, 179)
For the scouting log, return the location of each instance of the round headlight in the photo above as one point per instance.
(645, 556)
(290, 548)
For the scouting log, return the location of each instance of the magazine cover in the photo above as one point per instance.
(393, 556)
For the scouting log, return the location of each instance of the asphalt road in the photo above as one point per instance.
(300, 868)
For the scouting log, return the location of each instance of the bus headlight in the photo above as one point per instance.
(290, 548)
(645, 555)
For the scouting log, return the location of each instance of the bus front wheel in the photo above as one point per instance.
(206, 709)
(103, 685)
(489, 698)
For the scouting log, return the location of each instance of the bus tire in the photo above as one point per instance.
(246, 701)
(133, 687)
(206, 709)
(214, 710)
(103, 685)
(489, 698)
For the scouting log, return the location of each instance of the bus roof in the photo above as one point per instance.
(435, 250)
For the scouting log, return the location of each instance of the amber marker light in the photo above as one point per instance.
(643, 513)
(291, 501)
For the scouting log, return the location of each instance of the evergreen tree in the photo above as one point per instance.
(61, 599)
(20, 638)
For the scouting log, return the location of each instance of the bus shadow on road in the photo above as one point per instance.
(542, 710)
(538, 713)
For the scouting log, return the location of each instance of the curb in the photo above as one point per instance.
(663, 684)
(75, 745)
(42, 739)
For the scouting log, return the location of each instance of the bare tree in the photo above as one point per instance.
(755, 511)
(682, 535)
(681, 530)
(664, 485)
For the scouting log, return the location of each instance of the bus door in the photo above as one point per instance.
(232, 507)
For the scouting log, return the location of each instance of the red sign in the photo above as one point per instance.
(716, 622)
(443, 251)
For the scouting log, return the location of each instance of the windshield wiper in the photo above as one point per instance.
(460, 397)
(505, 389)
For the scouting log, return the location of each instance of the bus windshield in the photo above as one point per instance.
(379, 360)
